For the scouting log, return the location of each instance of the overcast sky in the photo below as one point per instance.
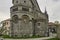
(52, 7)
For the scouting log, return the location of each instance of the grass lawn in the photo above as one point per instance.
(23, 37)
(54, 39)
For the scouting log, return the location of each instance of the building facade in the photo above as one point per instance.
(5, 28)
(27, 19)
(58, 29)
(52, 27)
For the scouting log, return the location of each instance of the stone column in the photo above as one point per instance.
(58, 31)
(11, 28)
(34, 24)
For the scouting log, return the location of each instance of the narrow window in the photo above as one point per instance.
(16, 9)
(16, 1)
(4, 24)
(24, 1)
(7, 23)
(25, 9)
(38, 24)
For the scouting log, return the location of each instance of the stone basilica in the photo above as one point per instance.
(27, 19)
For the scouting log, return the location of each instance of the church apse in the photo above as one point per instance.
(27, 19)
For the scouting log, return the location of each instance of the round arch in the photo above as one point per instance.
(15, 18)
(25, 18)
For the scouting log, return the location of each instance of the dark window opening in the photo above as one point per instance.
(16, 9)
(38, 24)
(15, 18)
(4, 24)
(24, 1)
(25, 9)
(7, 23)
(16, 1)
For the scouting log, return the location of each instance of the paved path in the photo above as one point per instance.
(44, 38)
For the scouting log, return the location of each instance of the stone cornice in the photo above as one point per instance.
(19, 5)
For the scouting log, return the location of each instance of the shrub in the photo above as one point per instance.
(54, 39)
(22, 37)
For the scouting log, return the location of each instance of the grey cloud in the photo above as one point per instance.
(5, 9)
(52, 7)
(56, 0)
(5, 5)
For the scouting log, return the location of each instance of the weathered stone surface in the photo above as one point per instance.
(30, 21)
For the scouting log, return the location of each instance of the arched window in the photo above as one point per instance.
(25, 18)
(15, 18)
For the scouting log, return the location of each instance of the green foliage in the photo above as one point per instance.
(22, 37)
(54, 39)
(36, 36)
(6, 36)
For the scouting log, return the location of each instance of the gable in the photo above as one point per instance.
(35, 3)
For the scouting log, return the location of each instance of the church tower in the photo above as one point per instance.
(24, 17)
